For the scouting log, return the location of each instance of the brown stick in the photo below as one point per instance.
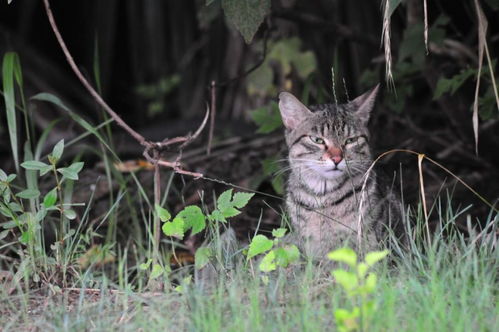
(156, 146)
(213, 105)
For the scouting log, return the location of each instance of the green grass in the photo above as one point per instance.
(452, 286)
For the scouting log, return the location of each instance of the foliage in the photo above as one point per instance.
(276, 254)
(246, 15)
(358, 285)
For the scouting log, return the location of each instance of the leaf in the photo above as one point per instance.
(241, 199)
(11, 178)
(286, 255)
(450, 85)
(344, 255)
(162, 213)
(45, 170)
(267, 118)
(50, 199)
(375, 256)
(202, 257)
(193, 218)
(224, 200)
(174, 228)
(279, 232)
(259, 244)
(3, 176)
(371, 283)
(77, 166)
(347, 280)
(69, 213)
(157, 270)
(10, 70)
(29, 194)
(57, 150)
(218, 216)
(35, 165)
(268, 262)
(230, 212)
(68, 173)
(145, 266)
(246, 15)
(362, 269)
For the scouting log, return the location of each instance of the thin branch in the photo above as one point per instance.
(85, 82)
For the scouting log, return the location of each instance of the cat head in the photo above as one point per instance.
(328, 140)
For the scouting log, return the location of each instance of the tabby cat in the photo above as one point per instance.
(328, 201)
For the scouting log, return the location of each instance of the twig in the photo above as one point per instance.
(213, 105)
(155, 146)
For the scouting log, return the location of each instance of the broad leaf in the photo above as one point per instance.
(50, 199)
(70, 214)
(375, 256)
(157, 270)
(68, 173)
(268, 262)
(241, 199)
(224, 200)
(344, 255)
(58, 149)
(28, 194)
(259, 244)
(246, 15)
(346, 279)
(162, 213)
(193, 218)
(279, 232)
(35, 165)
(202, 257)
(174, 228)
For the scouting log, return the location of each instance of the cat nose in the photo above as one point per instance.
(335, 154)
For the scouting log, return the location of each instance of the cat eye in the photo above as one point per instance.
(351, 140)
(317, 140)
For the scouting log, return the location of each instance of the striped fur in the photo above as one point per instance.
(329, 154)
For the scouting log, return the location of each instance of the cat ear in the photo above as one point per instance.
(293, 112)
(364, 104)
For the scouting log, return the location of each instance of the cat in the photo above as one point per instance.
(329, 200)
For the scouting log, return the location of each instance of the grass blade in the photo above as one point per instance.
(9, 72)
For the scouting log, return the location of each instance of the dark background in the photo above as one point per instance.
(137, 44)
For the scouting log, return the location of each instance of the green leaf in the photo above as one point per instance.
(268, 262)
(35, 165)
(362, 269)
(194, 218)
(11, 70)
(218, 216)
(68, 173)
(230, 212)
(145, 266)
(58, 149)
(346, 279)
(11, 178)
(28, 194)
(45, 170)
(375, 256)
(50, 199)
(241, 199)
(70, 214)
(279, 232)
(370, 284)
(174, 228)
(25, 237)
(202, 257)
(77, 166)
(393, 5)
(157, 271)
(259, 244)
(450, 85)
(224, 200)
(267, 118)
(344, 255)
(162, 213)
(3, 176)
(246, 15)
(286, 255)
